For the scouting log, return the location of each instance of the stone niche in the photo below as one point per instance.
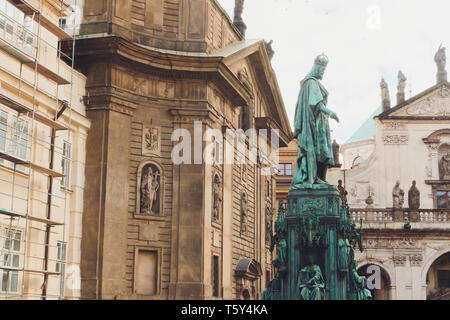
(444, 162)
(149, 189)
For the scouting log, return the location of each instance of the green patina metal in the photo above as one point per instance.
(314, 238)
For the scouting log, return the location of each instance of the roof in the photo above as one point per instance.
(388, 114)
(367, 130)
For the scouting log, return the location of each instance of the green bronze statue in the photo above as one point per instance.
(358, 290)
(312, 130)
(273, 290)
(310, 284)
(344, 249)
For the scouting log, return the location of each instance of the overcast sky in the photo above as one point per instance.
(364, 40)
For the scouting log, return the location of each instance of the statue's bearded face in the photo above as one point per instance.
(321, 71)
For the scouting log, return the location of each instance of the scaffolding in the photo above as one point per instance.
(31, 228)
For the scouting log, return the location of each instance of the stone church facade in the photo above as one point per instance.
(407, 230)
(153, 229)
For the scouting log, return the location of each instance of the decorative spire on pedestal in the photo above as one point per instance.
(237, 21)
(401, 87)
(385, 97)
(441, 60)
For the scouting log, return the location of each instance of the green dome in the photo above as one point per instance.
(367, 130)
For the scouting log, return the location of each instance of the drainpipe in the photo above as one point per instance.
(49, 211)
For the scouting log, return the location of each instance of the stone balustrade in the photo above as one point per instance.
(374, 215)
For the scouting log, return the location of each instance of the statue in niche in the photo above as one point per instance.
(342, 193)
(150, 190)
(398, 196)
(310, 283)
(217, 197)
(312, 129)
(269, 221)
(243, 213)
(444, 167)
(414, 197)
(357, 283)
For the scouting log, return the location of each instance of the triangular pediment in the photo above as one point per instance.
(430, 104)
(249, 62)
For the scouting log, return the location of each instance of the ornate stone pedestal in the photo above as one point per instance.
(319, 246)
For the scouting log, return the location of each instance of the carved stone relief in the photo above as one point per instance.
(395, 139)
(416, 260)
(399, 260)
(437, 104)
(151, 141)
(405, 243)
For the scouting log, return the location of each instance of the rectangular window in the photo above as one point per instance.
(9, 22)
(443, 278)
(10, 257)
(285, 169)
(19, 141)
(281, 169)
(19, 138)
(215, 276)
(2, 17)
(146, 273)
(217, 152)
(61, 257)
(65, 164)
(442, 199)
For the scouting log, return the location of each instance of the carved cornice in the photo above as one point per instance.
(189, 115)
(172, 62)
(109, 101)
(268, 123)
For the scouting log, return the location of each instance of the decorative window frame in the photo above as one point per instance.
(159, 252)
(137, 213)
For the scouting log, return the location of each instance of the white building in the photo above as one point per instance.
(409, 142)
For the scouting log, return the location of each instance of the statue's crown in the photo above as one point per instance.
(321, 60)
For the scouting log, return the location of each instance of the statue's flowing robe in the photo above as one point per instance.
(311, 124)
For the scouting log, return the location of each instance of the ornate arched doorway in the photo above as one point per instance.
(247, 272)
(381, 288)
(438, 278)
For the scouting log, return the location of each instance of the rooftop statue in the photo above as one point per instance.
(312, 130)
(401, 87)
(385, 96)
(398, 196)
(441, 61)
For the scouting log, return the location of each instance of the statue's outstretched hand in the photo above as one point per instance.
(334, 116)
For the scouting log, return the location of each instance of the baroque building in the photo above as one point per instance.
(152, 228)
(396, 183)
(43, 130)
(396, 178)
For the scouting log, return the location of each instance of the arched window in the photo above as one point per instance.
(357, 161)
